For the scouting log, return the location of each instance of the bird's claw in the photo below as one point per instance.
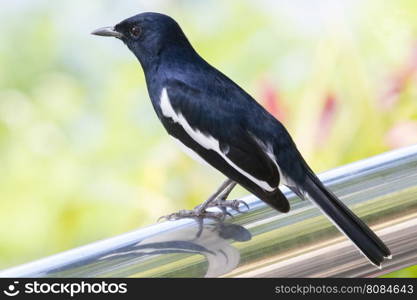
(233, 204)
(199, 213)
(193, 214)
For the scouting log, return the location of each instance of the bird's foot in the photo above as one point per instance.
(223, 204)
(195, 213)
(198, 214)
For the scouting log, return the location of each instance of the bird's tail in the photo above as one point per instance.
(353, 227)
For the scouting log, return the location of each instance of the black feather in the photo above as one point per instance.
(353, 227)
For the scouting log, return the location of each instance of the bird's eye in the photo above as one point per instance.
(135, 31)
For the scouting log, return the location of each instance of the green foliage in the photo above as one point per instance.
(83, 156)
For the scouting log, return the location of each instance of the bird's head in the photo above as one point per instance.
(147, 35)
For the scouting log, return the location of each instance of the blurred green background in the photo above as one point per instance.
(82, 155)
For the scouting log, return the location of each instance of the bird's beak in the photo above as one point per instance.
(107, 31)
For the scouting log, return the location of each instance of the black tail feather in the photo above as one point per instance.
(353, 227)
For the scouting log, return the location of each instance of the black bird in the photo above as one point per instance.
(218, 122)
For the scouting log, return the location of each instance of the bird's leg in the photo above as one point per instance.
(222, 193)
(217, 199)
(222, 203)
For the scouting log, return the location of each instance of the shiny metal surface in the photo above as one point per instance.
(382, 190)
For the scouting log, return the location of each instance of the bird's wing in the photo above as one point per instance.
(218, 124)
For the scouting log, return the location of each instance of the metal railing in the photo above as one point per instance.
(382, 190)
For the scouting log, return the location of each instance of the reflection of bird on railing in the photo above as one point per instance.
(382, 189)
(211, 241)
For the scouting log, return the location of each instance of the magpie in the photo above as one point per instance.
(219, 123)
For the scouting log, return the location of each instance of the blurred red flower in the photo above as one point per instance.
(326, 118)
(271, 100)
(399, 81)
(404, 133)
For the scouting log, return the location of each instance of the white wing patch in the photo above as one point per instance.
(205, 140)
(190, 152)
